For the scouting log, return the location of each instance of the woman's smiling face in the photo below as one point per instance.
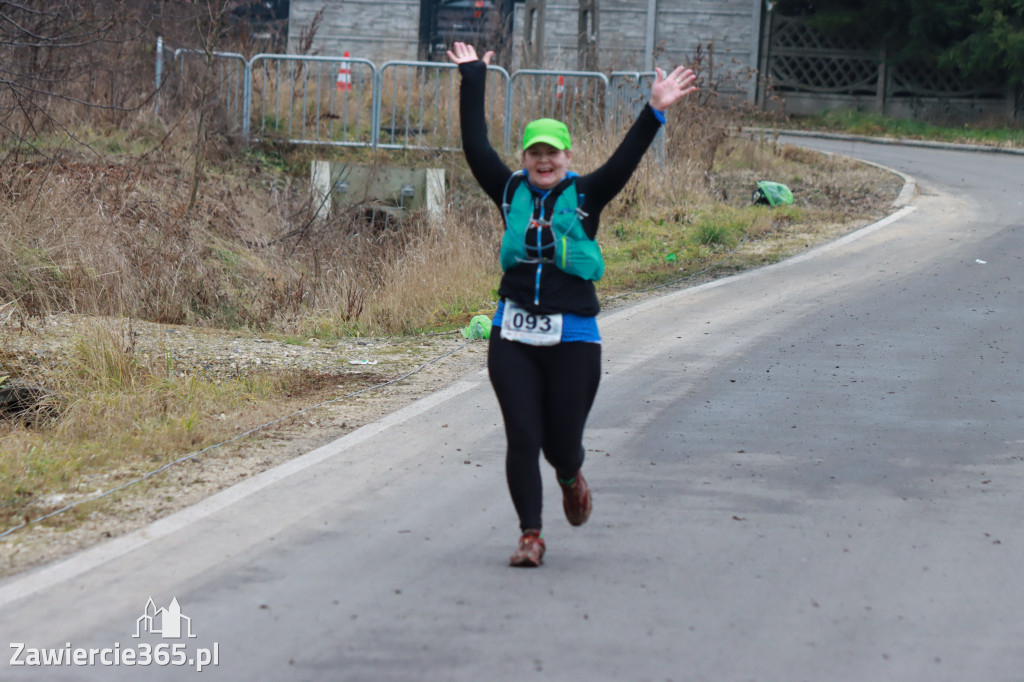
(546, 165)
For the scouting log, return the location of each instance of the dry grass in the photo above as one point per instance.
(112, 239)
(116, 236)
(116, 414)
(377, 279)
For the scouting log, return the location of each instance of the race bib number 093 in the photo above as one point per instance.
(530, 328)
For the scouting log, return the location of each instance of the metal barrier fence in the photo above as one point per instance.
(574, 97)
(312, 100)
(228, 71)
(627, 92)
(417, 105)
(348, 101)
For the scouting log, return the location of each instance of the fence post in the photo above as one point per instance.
(159, 73)
(649, 34)
(763, 80)
(377, 95)
(508, 116)
(533, 33)
(587, 36)
(247, 99)
(881, 92)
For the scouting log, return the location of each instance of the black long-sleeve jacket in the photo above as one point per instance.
(560, 292)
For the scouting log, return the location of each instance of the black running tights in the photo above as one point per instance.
(545, 394)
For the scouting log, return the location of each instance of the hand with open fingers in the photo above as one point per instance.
(461, 53)
(667, 90)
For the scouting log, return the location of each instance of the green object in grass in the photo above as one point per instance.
(670, 258)
(479, 328)
(772, 193)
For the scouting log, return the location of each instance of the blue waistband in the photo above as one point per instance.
(574, 327)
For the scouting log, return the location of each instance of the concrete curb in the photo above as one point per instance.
(887, 140)
(909, 191)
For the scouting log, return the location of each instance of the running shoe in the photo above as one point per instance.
(530, 553)
(576, 499)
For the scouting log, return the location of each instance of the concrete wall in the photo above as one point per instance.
(377, 30)
(680, 26)
(380, 30)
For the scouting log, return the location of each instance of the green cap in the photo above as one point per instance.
(547, 130)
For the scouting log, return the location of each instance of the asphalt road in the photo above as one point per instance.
(812, 471)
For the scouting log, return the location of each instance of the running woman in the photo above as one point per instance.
(544, 357)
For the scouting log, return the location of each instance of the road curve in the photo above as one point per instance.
(810, 471)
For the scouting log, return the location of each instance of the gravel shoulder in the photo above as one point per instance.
(417, 366)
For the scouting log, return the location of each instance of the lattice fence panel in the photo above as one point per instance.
(819, 74)
(806, 60)
(793, 32)
(918, 79)
(803, 59)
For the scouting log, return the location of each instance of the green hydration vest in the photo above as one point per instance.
(575, 252)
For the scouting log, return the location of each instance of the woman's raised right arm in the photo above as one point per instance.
(487, 167)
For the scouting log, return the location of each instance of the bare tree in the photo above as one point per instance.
(81, 61)
(59, 59)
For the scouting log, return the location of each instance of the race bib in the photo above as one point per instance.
(530, 328)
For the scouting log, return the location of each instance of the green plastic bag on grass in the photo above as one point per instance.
(772, 193)
(479, 328)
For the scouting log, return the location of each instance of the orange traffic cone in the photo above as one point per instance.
(560, 88)
(344, 76)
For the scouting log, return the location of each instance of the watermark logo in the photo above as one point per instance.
(169, 623)
(164, 622)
